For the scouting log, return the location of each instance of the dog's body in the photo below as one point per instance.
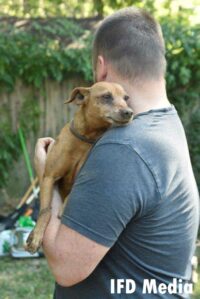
(101, 106)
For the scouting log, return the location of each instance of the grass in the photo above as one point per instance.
(30, 278)
(25, 278)
(197, 287)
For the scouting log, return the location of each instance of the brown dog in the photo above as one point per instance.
(101, 106)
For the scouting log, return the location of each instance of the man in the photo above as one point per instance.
(133, 211)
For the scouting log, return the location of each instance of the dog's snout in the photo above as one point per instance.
(126, 113)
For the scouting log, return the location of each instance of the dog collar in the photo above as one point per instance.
(79, 136)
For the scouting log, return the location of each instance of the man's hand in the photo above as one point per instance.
(42, 148)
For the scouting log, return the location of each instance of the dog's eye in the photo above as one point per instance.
(126, 98)
(107, 98)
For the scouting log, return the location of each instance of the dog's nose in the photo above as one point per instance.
(126, 113)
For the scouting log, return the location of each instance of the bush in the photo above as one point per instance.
(41, 50)
(183, 77)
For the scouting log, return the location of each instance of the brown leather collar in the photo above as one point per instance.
(79, 136)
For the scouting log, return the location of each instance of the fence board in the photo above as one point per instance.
(53, 115)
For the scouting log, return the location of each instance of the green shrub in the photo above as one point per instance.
(40, 50)
(183, 77)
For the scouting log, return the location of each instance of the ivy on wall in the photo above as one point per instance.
(42, 50)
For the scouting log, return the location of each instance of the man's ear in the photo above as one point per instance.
(78, 95)
(101, 69)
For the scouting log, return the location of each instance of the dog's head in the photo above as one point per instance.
(103, 102)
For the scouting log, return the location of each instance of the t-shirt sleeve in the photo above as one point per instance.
(112, 188)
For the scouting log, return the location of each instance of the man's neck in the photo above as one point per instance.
(144, 95)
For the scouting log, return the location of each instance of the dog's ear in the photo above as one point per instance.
(78, 95)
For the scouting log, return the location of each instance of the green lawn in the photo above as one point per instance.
(197, 287)
(25, 279)
(30, 279)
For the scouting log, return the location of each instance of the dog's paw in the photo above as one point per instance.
(33, 242)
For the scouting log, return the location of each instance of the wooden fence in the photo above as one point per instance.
(53, 114)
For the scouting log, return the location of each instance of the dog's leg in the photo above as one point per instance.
(35, 238)
(62, 208)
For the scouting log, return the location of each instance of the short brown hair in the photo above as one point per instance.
(131, 40)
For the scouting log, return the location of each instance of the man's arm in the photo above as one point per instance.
(71, 256)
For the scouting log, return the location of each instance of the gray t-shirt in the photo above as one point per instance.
(136, 193)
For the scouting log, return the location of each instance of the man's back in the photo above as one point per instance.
(136, 193)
